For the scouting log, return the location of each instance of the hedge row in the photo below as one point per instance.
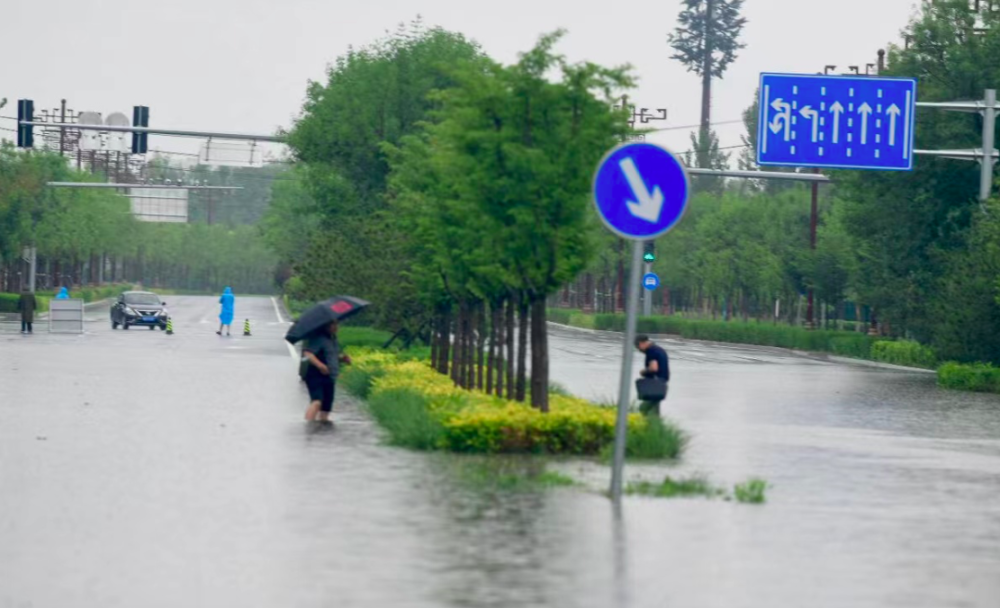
(980, 377)
(843, 343)
(423, 409)
(8, 301)
(904, 352)
(762, 334)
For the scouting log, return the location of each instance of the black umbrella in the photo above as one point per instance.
(335, 309)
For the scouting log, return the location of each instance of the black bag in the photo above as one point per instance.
(651, 389)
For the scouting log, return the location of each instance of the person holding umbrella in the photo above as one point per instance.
(317, 328)
(323, 353)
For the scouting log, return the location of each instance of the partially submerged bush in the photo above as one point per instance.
(669, 488)
(472, 421)
(751, 491)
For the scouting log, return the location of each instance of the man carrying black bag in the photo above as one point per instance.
(652, 387)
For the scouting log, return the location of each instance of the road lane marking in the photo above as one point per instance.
(277, 311)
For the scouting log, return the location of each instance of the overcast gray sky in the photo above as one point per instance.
(243, 65)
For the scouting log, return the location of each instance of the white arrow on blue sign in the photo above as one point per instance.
(651, 281)
(836, 122)
(641, 190)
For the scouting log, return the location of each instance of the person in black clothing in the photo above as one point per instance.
(657, 365)
(323, 354)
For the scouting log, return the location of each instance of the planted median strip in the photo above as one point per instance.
(422, 409)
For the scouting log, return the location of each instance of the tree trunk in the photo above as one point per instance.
(491, 357)
(619, 297)
(435, 341)
(470, 341)
(458, 346)
(509, 335)
(480, 344)
(445, 346)
(522, 349)
(539, 357)
(706, 84)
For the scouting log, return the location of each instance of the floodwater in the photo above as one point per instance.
(138, 469)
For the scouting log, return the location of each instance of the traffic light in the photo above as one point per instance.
(649, 252)
(25, 133)
(140, 118)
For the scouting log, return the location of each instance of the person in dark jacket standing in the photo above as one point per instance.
(323, 353)
(26, 305)
(657, 366)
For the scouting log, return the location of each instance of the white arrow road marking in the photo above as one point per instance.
(865, 110)
(893, 113)
(647, 205)
(813, 116)
(836, 109)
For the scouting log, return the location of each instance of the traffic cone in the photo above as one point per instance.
(170, 326)
(246, 327)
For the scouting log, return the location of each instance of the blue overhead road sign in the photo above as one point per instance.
(836, 122)
(640, 190)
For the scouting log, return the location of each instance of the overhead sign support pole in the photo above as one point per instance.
(987, 155)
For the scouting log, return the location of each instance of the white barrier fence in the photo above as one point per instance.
(66, 316)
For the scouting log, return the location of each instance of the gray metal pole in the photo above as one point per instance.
(33, 269)
(156, 131)
(989, 124)
(142, 186)
(625, 393)
(647, 295)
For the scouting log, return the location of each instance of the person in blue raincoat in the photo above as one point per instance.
(63, 294)
(226, 316)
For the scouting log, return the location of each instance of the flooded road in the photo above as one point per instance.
(138, 469)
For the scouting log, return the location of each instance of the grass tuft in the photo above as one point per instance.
(751, 491)
(405, 415)
(658, 439)
(672, 488)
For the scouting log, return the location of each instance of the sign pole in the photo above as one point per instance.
(647, 296)
(33, 268)
(625, 392)
(641, 192)
(989, 124)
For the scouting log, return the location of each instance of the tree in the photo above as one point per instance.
(507, 208)
(908, 227)
(706, 152)
(706, 41)
(373, 96)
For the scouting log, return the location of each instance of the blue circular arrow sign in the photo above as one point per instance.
(651, 281)
(641, 190)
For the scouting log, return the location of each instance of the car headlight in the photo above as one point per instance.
(131, 312)
(162, 313)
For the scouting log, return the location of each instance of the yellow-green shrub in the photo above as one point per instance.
(473, 421)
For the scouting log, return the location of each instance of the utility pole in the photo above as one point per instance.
(62, 130)
(211, 208)
(813, 223)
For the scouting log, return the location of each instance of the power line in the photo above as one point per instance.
(698, 126)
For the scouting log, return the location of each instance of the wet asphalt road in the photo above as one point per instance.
(139, 469)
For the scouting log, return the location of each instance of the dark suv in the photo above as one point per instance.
(139, 308)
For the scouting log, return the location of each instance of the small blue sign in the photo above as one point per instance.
(836, 122)
(641, 190)
(650, 281)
